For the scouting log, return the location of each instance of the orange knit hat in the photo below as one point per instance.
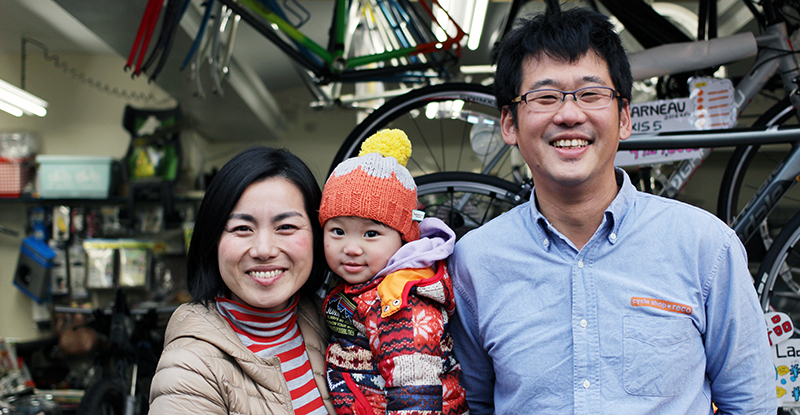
(375, 185)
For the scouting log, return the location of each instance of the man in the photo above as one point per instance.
(594, 298)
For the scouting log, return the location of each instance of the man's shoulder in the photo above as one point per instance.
(678, 215)
(503, 225)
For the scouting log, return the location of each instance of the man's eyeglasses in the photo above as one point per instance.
(548, 100)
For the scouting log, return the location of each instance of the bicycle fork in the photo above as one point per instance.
(130, 399)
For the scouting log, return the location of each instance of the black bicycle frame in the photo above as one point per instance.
(783, 177)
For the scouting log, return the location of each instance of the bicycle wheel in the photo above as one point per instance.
(748, 168)
(452, 127)
(465, 201)
(106, 397)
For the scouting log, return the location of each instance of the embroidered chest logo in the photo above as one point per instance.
(661, 305)
(339, 315)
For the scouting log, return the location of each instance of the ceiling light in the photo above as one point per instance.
(10, 109)
(476, 28)
(15, 101)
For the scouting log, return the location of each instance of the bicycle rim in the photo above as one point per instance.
(465, 201)
(748, 168)
(452, 127)
(779, 275)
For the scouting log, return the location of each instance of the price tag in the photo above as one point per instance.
(779, 327)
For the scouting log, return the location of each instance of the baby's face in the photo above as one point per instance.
(357, 248)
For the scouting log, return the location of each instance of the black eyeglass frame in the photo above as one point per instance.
(524, 97)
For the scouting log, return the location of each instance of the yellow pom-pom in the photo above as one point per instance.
(389, 143)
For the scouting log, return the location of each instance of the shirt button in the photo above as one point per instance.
(613, 236)
(586, 384)
(584, 323)
(545, 242)
(580, 263)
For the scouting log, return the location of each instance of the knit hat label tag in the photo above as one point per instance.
(417, 215)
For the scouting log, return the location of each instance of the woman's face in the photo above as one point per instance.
(266, 250)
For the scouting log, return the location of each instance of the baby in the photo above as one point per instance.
(391, 352)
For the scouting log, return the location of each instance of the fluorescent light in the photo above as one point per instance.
(432, 110)
(440, 14)
(476, 28)
(10, 109)
(11, 96)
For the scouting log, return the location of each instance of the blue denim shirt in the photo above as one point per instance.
(657, 314)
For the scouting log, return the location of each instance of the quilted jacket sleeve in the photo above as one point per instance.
(184, 383)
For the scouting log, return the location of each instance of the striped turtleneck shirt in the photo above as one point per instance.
(268, 334)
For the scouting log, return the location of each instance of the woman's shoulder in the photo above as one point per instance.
(190, 317)
(193, 325)
(197, 325)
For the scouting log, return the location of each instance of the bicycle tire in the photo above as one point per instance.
(784, 251)
(741, 180)
(465, 201)
(104, 397)
(462, 133)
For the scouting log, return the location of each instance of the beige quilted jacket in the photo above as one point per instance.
(205, 368)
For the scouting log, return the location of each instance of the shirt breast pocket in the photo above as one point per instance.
(659, 353)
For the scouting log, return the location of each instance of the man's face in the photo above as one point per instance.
(570, 146)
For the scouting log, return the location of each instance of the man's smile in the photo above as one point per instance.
(573, 143)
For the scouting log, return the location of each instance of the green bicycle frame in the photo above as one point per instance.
(334, 59)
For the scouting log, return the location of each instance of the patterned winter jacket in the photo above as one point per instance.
(390, 351)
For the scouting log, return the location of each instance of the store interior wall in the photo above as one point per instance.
(84, 120)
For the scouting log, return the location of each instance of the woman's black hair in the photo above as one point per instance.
(565, 36)
(250, 166)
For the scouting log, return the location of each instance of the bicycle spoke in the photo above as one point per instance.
(452, 127)
(465, 201)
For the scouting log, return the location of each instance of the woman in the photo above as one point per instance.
(252, 341)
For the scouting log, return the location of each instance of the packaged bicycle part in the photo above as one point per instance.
(77, 272)
(59, 273)
(32, 275)
(134, 266)
(101, 263)
(61, 223)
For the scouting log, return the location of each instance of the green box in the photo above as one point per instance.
(76, 177)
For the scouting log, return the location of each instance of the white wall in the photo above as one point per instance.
(83, 120)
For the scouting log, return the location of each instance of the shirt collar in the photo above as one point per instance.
(621, 205)
(614, 213)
